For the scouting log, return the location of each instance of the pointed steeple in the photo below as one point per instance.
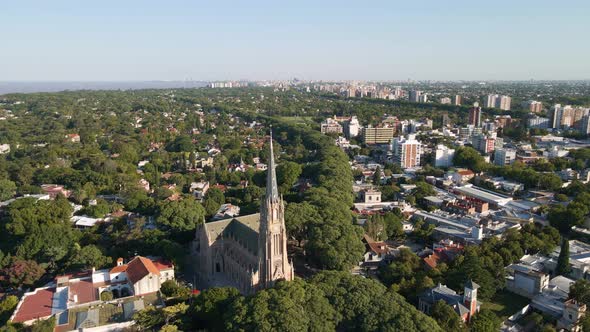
(272, 189)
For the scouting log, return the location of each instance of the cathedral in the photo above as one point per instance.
(247, 252)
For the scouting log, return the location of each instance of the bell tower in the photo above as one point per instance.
(470, 297)
(272, 246)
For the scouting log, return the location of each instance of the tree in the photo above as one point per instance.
(7, 189)
(289, 306)
(446, 317)
(91, 256)
(563, 261)
(213, 200)
(377, 177)
(181, 215)
(580, 291)
(298, 218)
(99, 210)
(24, 273)
(171, 288)
(43, 325)
(169, 328)
(171, 313)
(366, 305)
(209, 309)
(469, 157)
(182, 143)
(149, 318)
(485, 321)
(393, 226)
(106, 296)
(7, 306)
(287, 174)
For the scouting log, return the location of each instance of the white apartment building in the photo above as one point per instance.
(443, 156)
(353, 127)
(504, 157)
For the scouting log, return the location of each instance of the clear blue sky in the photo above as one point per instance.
(249, 39)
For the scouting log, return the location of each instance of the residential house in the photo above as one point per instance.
(134, 280)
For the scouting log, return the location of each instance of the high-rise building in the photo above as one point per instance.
(538, 122)
(423, 98)
(378, 135)
(585, 125)
(504, 157)
(568, 117)
(353, 127)
(406, 151)
(475, 116)
(484, 143)
(414, 96)
(443, 156)
(504, 103)
(533, 106)
(457, 100)
(498, 101)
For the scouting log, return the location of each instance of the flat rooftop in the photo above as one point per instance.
(483, 194)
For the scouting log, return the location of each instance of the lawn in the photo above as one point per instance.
(504, 304)
(297, 119)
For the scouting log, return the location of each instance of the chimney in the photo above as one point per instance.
(119, 261)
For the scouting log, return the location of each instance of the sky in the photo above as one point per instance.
(133, 40)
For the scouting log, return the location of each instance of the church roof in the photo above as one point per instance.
(243, 229)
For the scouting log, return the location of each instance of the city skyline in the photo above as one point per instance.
(331, 41)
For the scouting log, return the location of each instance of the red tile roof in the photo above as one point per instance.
(139, 267)
(432, 260)
(37, 305)
(162, 264)
(376, 247)
(85, 291)
(119, 268)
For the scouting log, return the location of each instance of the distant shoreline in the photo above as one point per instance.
(57, 86)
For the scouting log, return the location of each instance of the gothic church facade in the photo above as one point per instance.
(247, 252)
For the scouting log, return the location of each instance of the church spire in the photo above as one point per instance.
(272, 190)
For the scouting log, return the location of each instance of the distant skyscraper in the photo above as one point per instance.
(475, 116)
(446, 121)
(533, 106)
(457, 100)
(414, 96)
(504, 103)
(497, 101)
